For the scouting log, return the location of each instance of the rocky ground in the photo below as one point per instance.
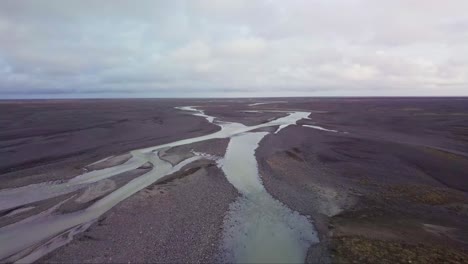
(390, 190)
(390, 186)
(175, 220)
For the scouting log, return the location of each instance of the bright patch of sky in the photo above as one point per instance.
(204, 48)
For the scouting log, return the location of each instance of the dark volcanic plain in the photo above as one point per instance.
(389, 187)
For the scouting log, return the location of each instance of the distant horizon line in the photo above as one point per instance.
(234, 97)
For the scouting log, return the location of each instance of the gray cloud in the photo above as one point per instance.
(53, 48)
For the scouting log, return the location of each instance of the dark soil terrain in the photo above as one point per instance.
(395, 182)
(390, 186)
(39, 136)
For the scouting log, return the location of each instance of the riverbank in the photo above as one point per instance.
(370, 173)
(389, 188)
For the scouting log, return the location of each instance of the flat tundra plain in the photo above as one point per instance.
(318, 180)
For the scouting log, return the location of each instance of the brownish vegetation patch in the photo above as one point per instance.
(357, 249)
(425, 194)
(445, 154)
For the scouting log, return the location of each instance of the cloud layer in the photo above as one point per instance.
(171, 48)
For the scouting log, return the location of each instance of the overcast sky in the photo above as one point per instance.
(170, 48)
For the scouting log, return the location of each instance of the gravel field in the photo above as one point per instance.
(381, 178)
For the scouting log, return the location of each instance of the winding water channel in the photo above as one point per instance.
(257, 228)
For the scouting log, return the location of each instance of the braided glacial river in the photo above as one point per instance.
(257, 228)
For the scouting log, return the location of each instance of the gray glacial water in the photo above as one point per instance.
(324, 129)
(257, 228)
